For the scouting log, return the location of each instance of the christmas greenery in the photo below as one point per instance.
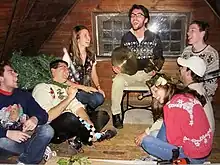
(32, 70)
(74, 160)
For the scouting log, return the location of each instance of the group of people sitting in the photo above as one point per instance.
(65, 109)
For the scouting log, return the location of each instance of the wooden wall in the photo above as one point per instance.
(83, 11)
(26, 24)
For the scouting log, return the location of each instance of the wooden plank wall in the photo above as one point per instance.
(26, 24)
(82, 13)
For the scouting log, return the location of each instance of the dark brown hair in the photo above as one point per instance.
(143, 9)
(2, 66)
(203, 26)
(170, 91)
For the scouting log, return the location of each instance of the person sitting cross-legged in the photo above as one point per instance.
(23, 128)
(192, 76)
(185, 127)
(67, 115)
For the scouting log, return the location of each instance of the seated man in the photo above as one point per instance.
(22, 121)
(67, 115)
(191, 76)
(149, 54)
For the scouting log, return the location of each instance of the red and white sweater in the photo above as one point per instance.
(187, 126)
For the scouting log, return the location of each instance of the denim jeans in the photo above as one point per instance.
(92, 100)
(32, 150)
(160, 148)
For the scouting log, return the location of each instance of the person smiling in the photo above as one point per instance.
(82, 63)
(149, 53)
(197, 36)
(185, 126)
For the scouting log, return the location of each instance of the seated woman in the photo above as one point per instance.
(185, 125)
(82, 64)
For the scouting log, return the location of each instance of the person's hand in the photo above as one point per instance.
(153, 73)
(30, 124)
(65, 51)
(116, 69)
(138, 140)
(101, 91)
(71, 91)
(17, 136)
(89, 89)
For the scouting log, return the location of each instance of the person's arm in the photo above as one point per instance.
(95, 80)
(82, 87)
(58, 109)
(42, 94)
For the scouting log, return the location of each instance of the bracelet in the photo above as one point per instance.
(98, 86)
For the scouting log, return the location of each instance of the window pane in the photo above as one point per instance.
(118, 35)
(176, 35)
(170, 26)
(166, 46)
(107, 35)
(175, 46)
(107, 25)
(176, 24)
(165, 35)
(108, 48)
(117, 25)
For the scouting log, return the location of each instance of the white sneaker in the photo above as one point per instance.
(48, 154)
(20, 163)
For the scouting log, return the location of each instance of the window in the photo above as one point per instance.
(170, 26)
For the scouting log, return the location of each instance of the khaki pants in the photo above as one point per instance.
(120, 82)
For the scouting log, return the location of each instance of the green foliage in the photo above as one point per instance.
(31, 69)
(74, 160)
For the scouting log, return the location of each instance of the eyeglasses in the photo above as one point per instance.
(138, 15)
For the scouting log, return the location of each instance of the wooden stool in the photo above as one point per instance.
(138, 88)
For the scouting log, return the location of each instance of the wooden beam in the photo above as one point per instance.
(76, 1)
(211, 7)
(9, 29)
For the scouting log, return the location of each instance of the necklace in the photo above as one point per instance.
(194, 51)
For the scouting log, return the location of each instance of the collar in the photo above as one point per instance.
(5, 92)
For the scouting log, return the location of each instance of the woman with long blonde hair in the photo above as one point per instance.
(82, 63)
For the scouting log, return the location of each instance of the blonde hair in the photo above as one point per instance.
(74, 48)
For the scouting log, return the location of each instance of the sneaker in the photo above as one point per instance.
(48, 154)
(75, 143)
(106, 135)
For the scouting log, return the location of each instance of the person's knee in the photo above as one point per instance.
(47, 131)
(147, 140)
(70, 119)
(119, 79)
(98, 99)
(3, 140)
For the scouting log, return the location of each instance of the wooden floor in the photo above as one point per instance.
(122, 146)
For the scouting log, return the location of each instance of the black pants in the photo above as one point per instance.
(67, 125)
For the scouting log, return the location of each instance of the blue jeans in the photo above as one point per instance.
(32, 150)
(160, 148)
(92, 100)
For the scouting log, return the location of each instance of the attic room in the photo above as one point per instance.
(35, 32)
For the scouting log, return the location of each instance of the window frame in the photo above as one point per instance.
(187, 16)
